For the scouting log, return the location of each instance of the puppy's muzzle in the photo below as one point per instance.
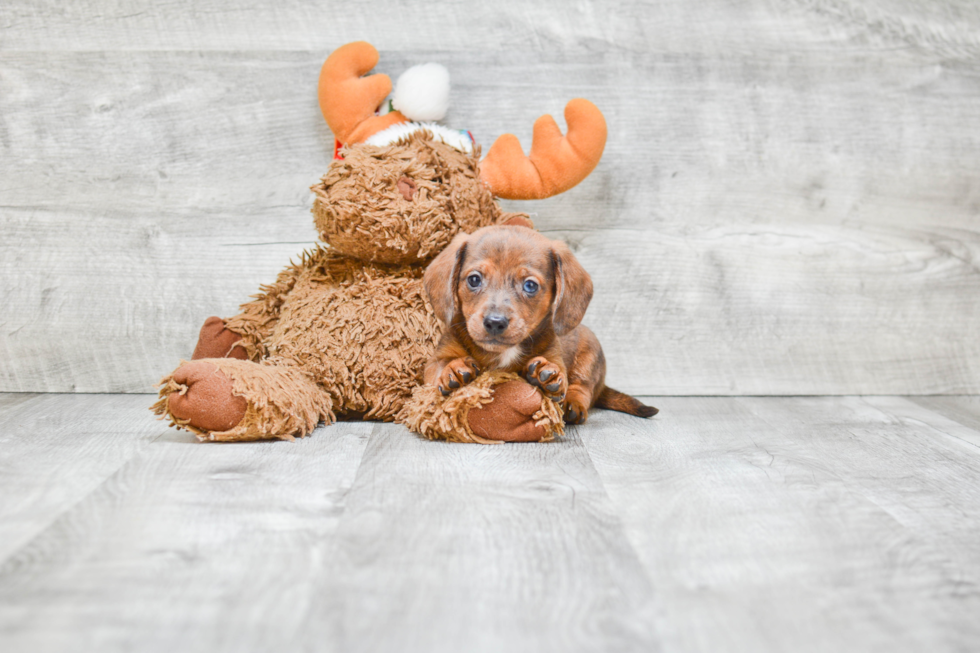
(495, 324)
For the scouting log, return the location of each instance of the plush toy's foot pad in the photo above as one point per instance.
(225, 399)
(216, 341)
(510, 416)
(496, 407)
(206, 400)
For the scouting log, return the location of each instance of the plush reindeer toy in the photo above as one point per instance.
(347, 330)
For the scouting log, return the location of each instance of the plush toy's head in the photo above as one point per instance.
(401, 203)
(400, 189)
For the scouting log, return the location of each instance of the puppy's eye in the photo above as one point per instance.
(530, 286)
(474, 281)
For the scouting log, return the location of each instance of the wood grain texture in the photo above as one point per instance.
(733, 524)
(816, 524)
(964, 409)
(56, 449)
(949, 26)
(186, 547)
(790, 309)
(456, 547)
(87, 315)
(789, 191)
(431, 547)
(959, 431)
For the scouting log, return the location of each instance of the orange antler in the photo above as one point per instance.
(348, 100)
(556, 162)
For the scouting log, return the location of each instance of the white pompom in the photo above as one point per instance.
(422, 92)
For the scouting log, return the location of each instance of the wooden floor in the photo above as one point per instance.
(724, 524)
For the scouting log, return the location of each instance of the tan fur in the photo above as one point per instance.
(293, 410)
(480, 278)
(439, 417)
(346, 330)
(616, 400)
(360, 210)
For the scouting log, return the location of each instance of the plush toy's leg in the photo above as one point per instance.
(510, 416)
(216, 341)
(206, 398)
(496, 407)
(230, 399)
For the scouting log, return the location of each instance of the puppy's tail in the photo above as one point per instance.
(616, 400)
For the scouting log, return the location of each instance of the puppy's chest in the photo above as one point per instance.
(508, 360)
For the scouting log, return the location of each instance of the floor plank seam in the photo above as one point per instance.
(67, 510)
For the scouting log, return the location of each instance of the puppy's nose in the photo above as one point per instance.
(495, 324)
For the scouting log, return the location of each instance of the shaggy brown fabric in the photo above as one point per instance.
(215, 341)
(361, 212)
(347, 328)
(281, 401)
(258, 317)
(452, 418)
(363, 331)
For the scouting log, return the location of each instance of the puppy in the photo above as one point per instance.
(512, 300)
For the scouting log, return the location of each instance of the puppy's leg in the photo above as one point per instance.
(450, 366)
(548, 376)
(576, 404)
(456, 373)
(586, 366)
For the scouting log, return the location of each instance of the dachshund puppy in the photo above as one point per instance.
(512, 300)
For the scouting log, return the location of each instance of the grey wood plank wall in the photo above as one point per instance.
(788, 202)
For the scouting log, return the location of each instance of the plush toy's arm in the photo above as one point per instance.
(259, 316)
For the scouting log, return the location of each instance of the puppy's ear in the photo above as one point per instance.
(573, 289)
(515, 220)
(442, 277)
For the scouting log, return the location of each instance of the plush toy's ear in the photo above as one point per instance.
(573, 289)
(442, 277)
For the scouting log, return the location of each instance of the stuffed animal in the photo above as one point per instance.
(346, 331)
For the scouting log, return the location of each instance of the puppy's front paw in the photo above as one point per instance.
(456, 373)
(547, 376)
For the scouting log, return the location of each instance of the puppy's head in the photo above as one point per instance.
(505, 281)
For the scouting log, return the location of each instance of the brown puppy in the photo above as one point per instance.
(512, 300)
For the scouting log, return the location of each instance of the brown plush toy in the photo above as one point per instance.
(347, 331)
